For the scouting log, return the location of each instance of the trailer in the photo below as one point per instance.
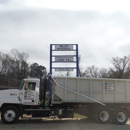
(103, 100)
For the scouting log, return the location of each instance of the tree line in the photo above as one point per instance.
(14, 67)
(120, 69)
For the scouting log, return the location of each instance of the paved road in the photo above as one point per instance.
(66, 124)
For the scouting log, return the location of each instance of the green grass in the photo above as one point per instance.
(78, 116)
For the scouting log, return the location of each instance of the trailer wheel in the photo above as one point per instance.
(120, 116)
(9, 115)
(103, 115)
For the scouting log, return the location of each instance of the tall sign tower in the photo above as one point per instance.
(64, 57)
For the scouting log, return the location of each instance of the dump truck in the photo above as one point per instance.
(102, 99)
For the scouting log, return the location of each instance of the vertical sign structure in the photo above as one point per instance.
(64, 58)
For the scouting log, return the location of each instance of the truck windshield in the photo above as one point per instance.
(21, 85)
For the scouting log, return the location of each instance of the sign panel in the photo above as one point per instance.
(60, 57)
(109, 86)
(64, 58)
(64, 69)
(63, 47)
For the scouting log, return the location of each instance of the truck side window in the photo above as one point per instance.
(21, 85)
(31, 86)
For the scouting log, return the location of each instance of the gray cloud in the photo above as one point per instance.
(4, 1)
(98, 35)
(124, 48)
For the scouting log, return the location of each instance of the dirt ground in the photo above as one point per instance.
(63, 124)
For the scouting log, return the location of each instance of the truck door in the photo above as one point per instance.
(28, 93)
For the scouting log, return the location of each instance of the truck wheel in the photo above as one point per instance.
(120, 116)
(9, 115)
(103, 115)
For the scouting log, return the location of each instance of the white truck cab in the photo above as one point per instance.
(27, 93)
(14, 101)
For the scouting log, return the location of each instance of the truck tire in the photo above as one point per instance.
(95, 115)
(103, 115)
(120, 116)
(9, 115)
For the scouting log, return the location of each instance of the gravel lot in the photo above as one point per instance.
(64, 124)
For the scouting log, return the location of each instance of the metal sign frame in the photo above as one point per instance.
(64, 47)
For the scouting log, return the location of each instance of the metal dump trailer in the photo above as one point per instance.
(101, 99)
(103, 90)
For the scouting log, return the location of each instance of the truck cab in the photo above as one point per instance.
(26, 94)
(16, 102)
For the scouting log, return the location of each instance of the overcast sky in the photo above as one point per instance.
(101, 28)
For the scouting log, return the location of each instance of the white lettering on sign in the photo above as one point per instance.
(63, 47)
(63, 58)
(64, 69)
(29, 95)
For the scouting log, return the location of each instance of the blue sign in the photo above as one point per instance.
(64, 58)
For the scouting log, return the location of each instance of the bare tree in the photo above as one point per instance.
(14, 67)
(92, 72)
(4, 63)
(121, 67)
(37, 70)
(103, 73)
(18, 62)
(82, 73)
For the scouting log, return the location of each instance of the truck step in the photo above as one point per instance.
(37, 109)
